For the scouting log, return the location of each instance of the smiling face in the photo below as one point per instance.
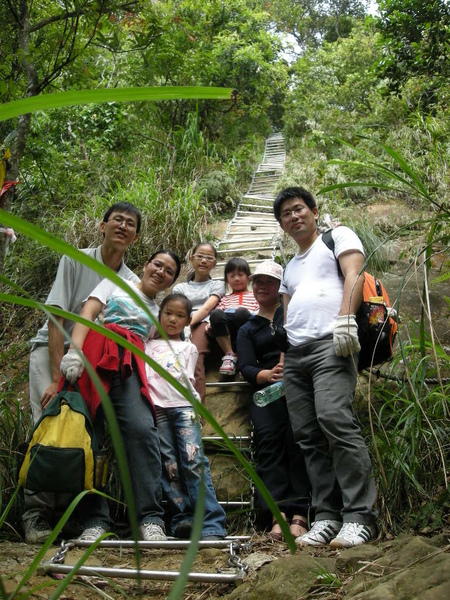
(173, 318)
(265, 290)
(237, 280)
(299, 221)
(158, 274)
(203, 261)
(120, 230)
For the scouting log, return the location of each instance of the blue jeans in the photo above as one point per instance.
(141, 444)
(183, 462)
(319, 389)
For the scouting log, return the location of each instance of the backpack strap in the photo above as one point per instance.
(327, 239)
(378, 287)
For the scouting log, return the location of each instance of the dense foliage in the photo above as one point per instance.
(380, 83)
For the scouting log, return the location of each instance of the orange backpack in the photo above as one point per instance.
(376, 330)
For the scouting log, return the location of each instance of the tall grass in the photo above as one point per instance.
(409, 412)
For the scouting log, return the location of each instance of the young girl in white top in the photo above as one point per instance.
(232, 311)
(205, 294)
(182, 457)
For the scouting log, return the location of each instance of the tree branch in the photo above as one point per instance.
(73, 13)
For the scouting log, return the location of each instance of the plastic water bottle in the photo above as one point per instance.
(269, 394)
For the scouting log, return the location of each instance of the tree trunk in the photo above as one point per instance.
(23, 124)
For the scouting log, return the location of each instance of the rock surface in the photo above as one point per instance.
(406, 568)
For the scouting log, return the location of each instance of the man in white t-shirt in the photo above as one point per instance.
(73, 283)
(320, 369)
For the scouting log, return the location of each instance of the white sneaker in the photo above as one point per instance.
(37, 529)
(354, 534)
(228, 366)
(91, 534)
(320, 534)
(151, 532)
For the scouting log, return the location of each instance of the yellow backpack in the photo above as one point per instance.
(61, 454)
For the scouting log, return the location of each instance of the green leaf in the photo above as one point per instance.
(132, 94)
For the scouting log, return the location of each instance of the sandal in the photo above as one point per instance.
(298, 526)
(275, 533)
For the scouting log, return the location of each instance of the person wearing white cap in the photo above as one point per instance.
(320, 369)
(279, 460)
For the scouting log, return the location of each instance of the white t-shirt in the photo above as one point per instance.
(313, 282)
(120, 308)
(198, 292)
(179, 359)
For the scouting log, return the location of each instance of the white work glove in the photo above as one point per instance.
(72, 365)
(187, 333)
(345, 335)
(391, 312)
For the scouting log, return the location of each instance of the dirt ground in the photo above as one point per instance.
(409, 567)
(16, 559)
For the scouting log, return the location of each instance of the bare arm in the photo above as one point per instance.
(90, 311)
(204, 310)
(286, 300)
(351, 264)
(55, 352)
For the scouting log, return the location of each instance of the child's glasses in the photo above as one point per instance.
(208, 259)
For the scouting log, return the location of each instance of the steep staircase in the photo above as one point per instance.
(253, 234)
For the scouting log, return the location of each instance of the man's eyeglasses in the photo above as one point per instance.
(159, 266)
(208, 259)
(129, 223)
(297, 210)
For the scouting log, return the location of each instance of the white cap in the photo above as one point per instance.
(268, 267)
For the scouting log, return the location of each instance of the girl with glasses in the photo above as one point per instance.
(205, 294)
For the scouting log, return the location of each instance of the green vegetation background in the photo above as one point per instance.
(363, 102)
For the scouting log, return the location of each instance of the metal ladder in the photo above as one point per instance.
(254, 234)
(56, 565)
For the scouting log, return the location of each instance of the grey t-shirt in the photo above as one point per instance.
(73, 284)
(198, 292)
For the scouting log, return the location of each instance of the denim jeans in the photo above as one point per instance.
(183, 462)
(319, 388)
(141, 444)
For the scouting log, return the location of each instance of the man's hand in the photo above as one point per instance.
(49, 394)
(72, 365)
(345, 335)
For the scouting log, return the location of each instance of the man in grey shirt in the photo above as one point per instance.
(73, 284)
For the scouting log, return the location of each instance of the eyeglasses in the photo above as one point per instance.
(129, 223)
(208, 259)
(159, 266)
(297, 210)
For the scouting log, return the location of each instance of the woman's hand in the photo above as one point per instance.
(270, 375)
(276, 374)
